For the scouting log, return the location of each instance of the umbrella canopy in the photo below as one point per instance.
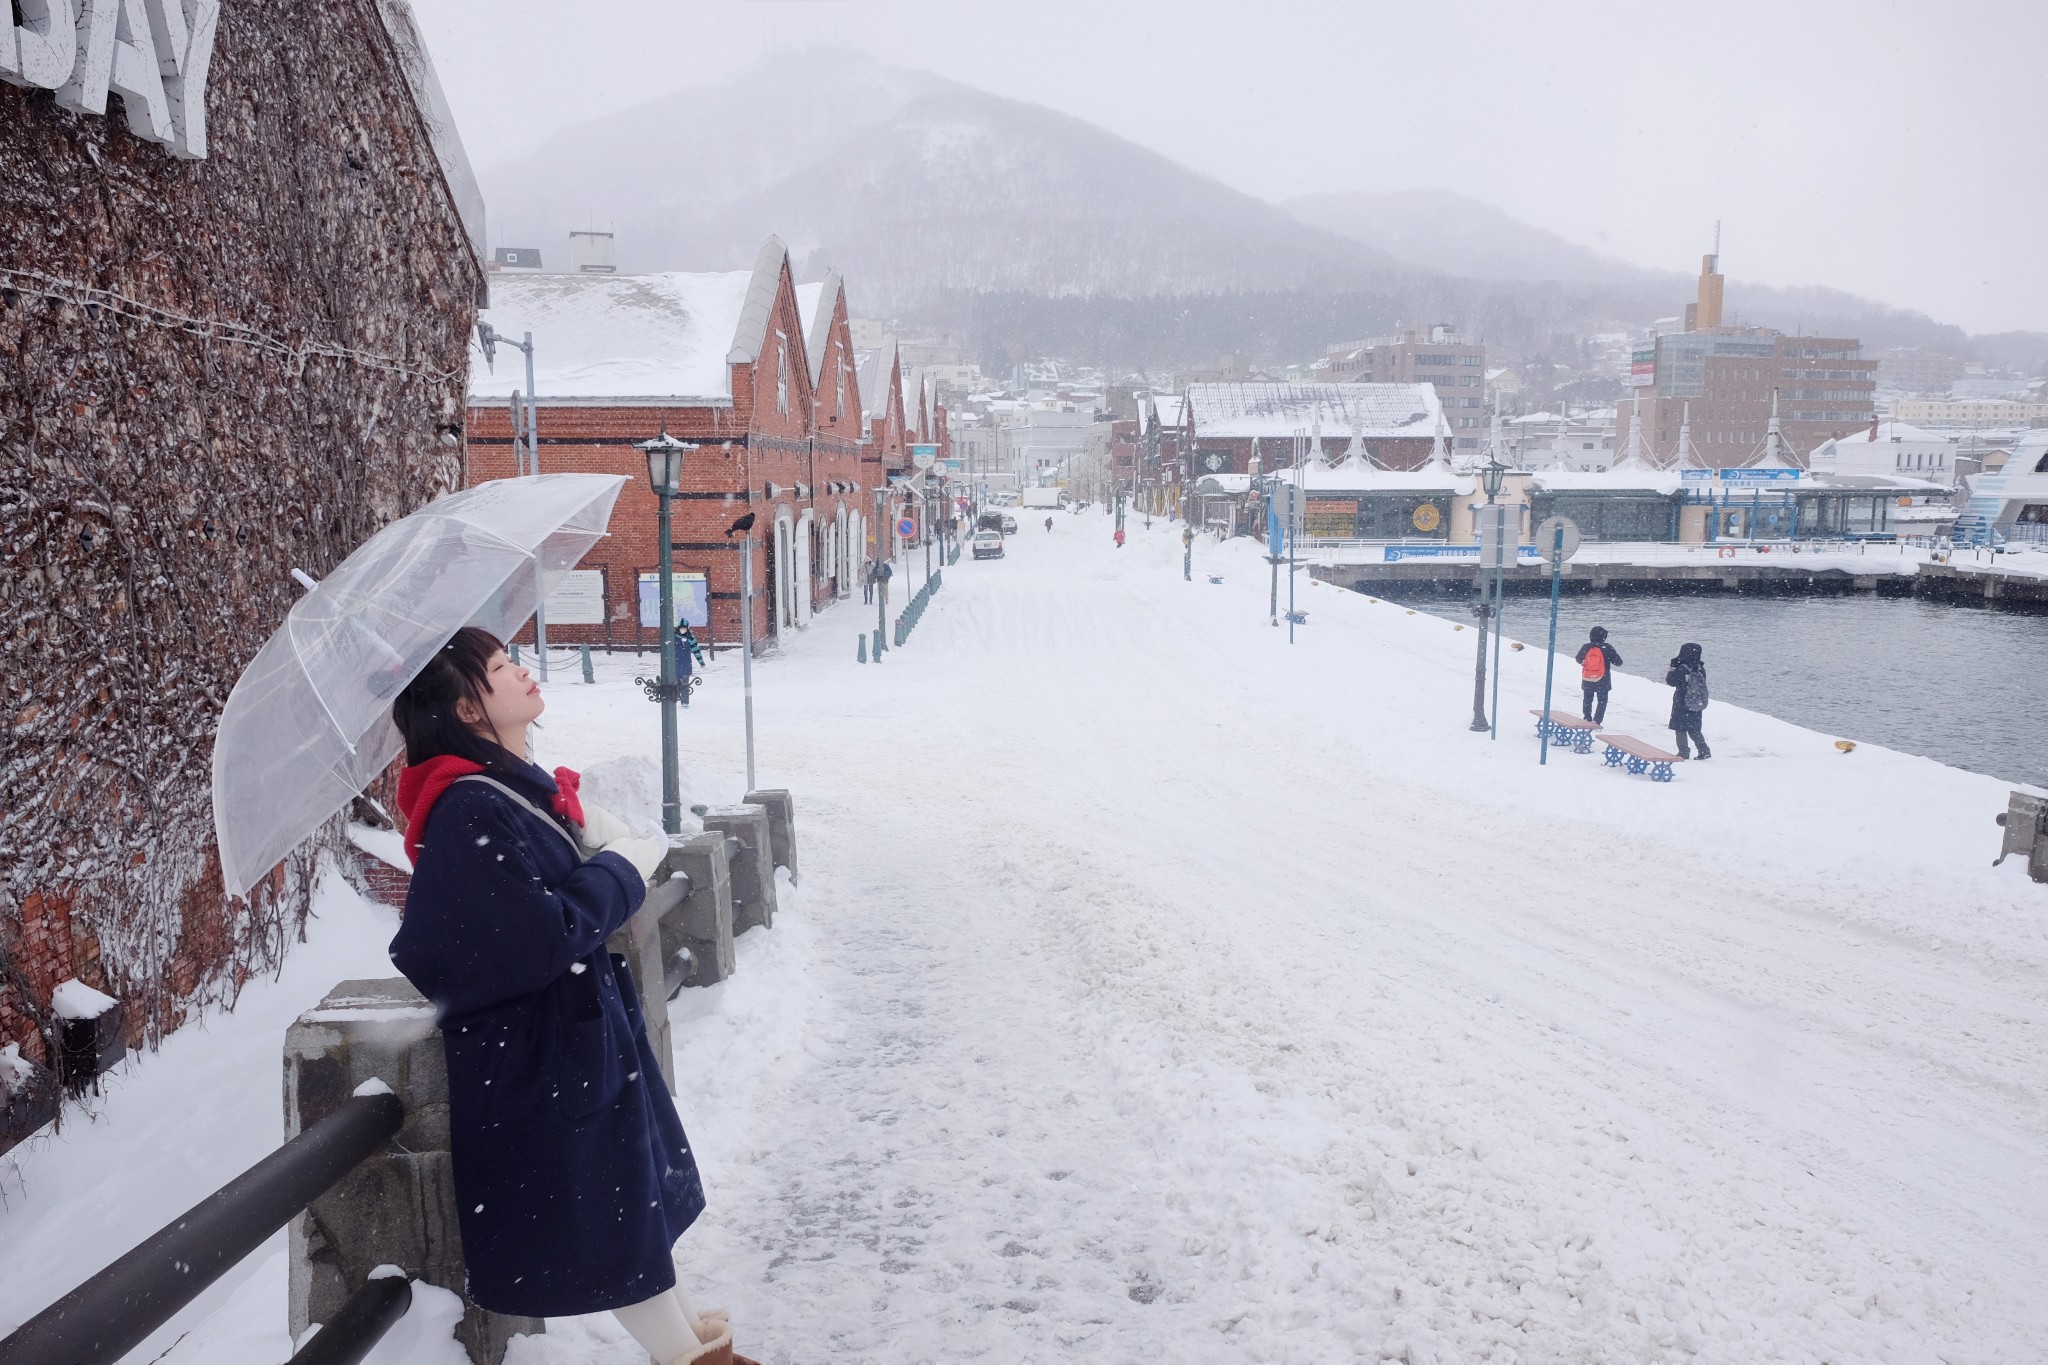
(308, 724)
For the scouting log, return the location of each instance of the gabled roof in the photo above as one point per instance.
(1373, 411)
(877, 380)
(614, 337)
(751, 336)
(1171, 409)
(815, 305)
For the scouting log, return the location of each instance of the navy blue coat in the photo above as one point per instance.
(573, 1178)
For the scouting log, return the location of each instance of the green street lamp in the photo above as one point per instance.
(665, 475)
(1491, 479)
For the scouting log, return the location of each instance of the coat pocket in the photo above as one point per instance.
(591, 1062)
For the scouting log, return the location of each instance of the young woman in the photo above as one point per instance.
(573, 1178)
(1688, 680)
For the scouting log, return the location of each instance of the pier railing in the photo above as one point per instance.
(110, 1314)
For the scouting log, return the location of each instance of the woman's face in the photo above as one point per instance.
(512, 699)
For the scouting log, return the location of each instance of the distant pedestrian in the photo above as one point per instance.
(884, 571)
(867, 586)
(687, 649)
(1119, 537)
(1597, 662)
(1048, 523)
(1688, 681)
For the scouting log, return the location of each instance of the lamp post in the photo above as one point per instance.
(665, 475)
(1490, 478)
(489, 339)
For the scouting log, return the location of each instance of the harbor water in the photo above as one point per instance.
(1959, 684)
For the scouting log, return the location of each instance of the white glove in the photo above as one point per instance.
(600, 827)
(644, 854)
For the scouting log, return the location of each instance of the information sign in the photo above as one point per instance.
(577, 599)
(693, 600)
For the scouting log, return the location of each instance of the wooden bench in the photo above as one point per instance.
(1637, 757)
(1566, 730)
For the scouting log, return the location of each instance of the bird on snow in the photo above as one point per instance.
(745, 523)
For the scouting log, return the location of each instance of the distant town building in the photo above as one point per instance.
(1914, 369)
(1706, 395)
(1887, 448)
(590, 253)
(1972, 413)
(1454, 365)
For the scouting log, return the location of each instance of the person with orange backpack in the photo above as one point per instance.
(1597, 662)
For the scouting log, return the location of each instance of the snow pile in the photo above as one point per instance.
(73, 999)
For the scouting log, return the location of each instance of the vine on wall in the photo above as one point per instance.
(211, 372)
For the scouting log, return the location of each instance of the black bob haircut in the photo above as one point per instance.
(425, 711)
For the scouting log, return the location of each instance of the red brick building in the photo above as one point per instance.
(757, 373)
(1231, 426)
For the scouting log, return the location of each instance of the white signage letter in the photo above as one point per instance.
(93, 63)
(184, 50)
(135, 77)
(46, 45)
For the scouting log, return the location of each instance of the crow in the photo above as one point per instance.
(745, 523)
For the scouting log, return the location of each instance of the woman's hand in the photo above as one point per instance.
(645, 854)
(601, 827)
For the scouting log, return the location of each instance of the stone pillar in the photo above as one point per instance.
(638, 940)
(753, 867)
(397, 1208)
(702, 921)
(781, 827)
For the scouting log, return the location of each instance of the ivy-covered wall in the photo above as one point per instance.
(211, 372)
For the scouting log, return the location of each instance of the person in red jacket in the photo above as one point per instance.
(1597, 662)
(1119, 537)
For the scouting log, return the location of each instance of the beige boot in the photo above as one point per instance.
(717, 1351)
(717, 1324)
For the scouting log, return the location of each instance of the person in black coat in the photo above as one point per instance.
(1688, 681)
(573, 1177)
(1597, 662)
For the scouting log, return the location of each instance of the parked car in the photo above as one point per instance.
(988, 544)
(989, 521)
(1009, 524)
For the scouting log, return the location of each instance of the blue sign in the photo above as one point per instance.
(1397, 552)
(1737, 475)
(906, 527)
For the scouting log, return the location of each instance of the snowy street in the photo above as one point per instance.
(1160, 991)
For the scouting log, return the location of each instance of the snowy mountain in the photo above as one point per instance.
(929, 186)
(1033, 232)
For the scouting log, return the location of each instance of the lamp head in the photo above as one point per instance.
(664, 461)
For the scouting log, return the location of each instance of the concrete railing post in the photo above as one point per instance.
(781, 826)
(702, 921)
(638, 940)
(753, 867)
(397, 1208)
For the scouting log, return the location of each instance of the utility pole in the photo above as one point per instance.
(526, 463)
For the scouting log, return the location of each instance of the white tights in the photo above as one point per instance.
(663, 1325)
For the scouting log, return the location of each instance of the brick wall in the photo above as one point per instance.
(157, 483)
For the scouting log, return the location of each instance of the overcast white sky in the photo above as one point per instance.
(1893, 149)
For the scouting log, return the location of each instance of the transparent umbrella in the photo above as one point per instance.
(308, 724)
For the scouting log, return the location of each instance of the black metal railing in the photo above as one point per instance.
(107, 1316)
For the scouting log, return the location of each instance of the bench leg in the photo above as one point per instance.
(1614, 757)
(1583, 741)
(1660, 772)
(1636, 765)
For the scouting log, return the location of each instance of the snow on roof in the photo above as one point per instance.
(1171, 408)
(1219, 484)
(1374, 411)
(615, 336)
(817, 320)
(875, 379)
(1888, 431)
(1357, 476)
(1661, 481)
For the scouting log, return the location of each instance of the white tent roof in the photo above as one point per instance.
(1374, 411)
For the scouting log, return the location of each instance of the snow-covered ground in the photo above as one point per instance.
(1161, 991)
